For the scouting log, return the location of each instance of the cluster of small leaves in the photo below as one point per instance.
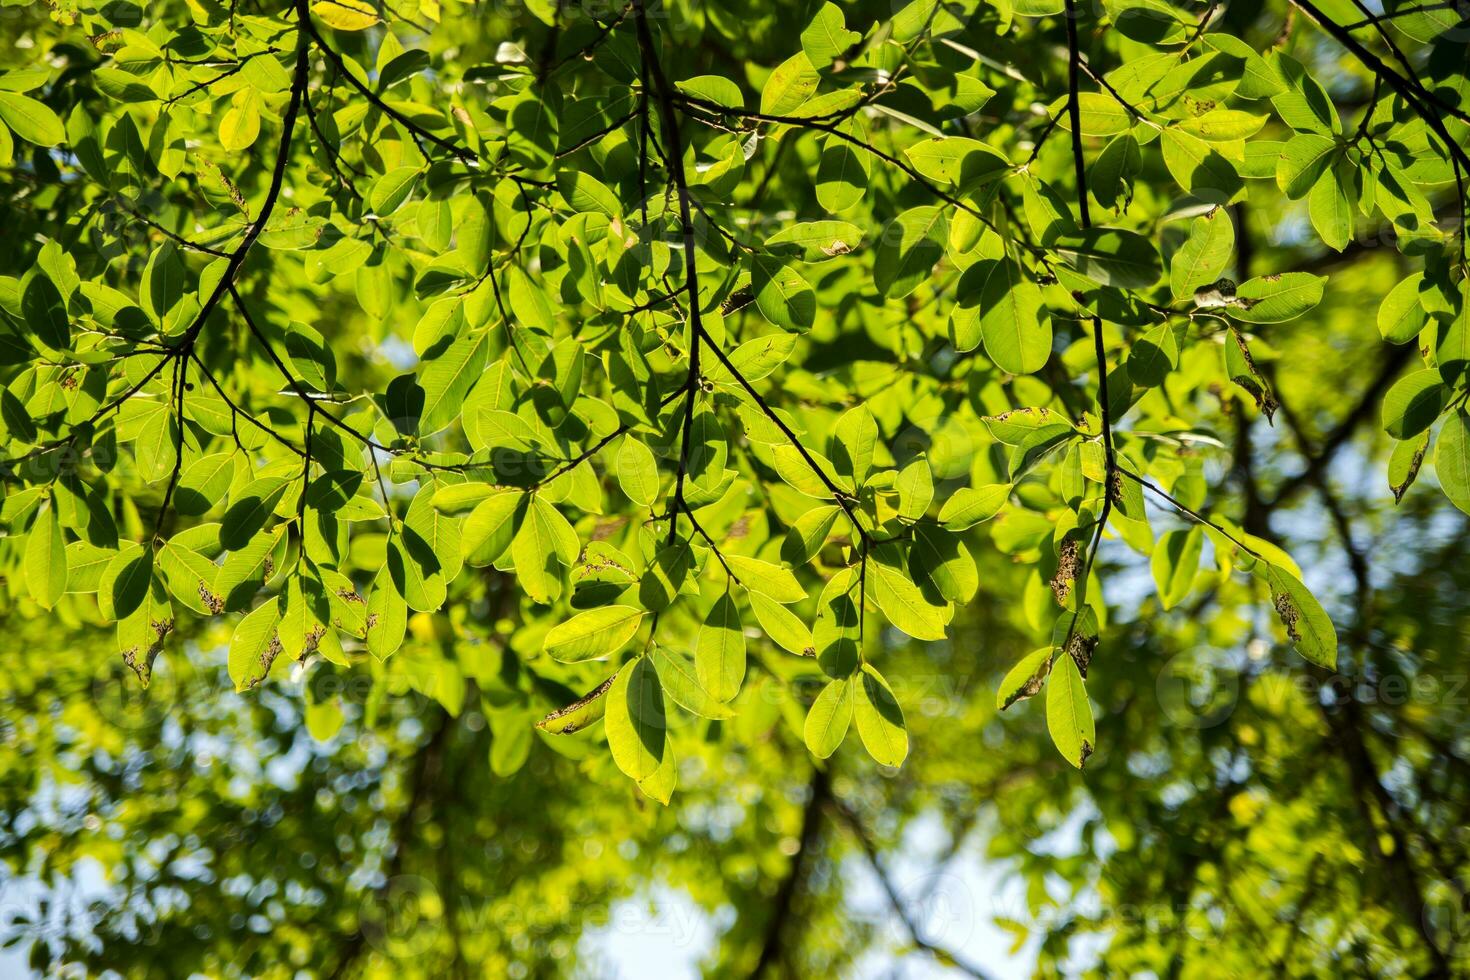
(716, 368)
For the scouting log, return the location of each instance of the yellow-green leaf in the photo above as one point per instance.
(1069, 713)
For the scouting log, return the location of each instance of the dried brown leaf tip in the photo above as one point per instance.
(215, 604)
(140, 662)
(1399, 489)
(549, 723)
(267, 659)
(1081, 648)
(1066, 574)
(1287, 610)
(1031, 688)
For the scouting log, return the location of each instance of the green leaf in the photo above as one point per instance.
(490, 528)
(18, 424)
(1199, 167)
(782, 295)
(254, 647)
(1016, 331)
(842, 171)
(1205, 254)
(531, 131)
(155, 450)
(1240, 367)
(31, 120)
(807, 534)
(593, 634)
(826, 38)
(85, 564)
(766, 578)
(345, 15)
(660, 786)
(45, 313)
(438, 532)
(943, 560)
(1099, 114)
(676, 672)
(782, 626)
(416, 572)
(973, 505)
(543, 543)
(1305, 620)
(901, 600)
(1273, 299)
(1452, 350)
(791, 84)
(204, 483)
(665, 576)
(819, 240)
(251, 508)
(190, 576)
(637, 472)
(636, 728)
(1304, 105)
(1069, 713)
(1452, 459)
(455, 498)
(140, 636)
(124, 583)
(240, 126)
(1112, 257)
(1038, 444)
(1175, 563)
(879, 719)
(586, 193)
(1223, 125)
(912, 20)
(828, 719)
(391, 190)
(529, 301)
(303, 615)
(1332, 211)
(907, 249)
(311, 357)
(1401, 316)
(719, 654)
(1260, 79)
(1114, 172)
(713, 88)
(1153, 356)
(958, 161)
(24, 79)
(1413, 403)
(915, 486)
(447, 379)
(837, 631)
(854, 438)
(45, 559)
(387, 616)
(1304, 160)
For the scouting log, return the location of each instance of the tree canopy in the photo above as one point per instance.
(849, 414)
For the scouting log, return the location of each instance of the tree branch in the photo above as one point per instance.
(686, 225)
(819, 792)
(896, 900)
